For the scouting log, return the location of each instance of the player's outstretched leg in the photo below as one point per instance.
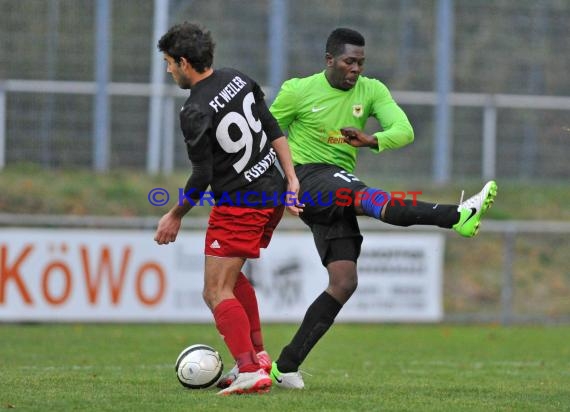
(472, 210)
(248, 382)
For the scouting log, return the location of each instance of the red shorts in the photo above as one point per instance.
(240, 231)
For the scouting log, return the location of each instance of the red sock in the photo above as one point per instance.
(245, 293)
(233, 325)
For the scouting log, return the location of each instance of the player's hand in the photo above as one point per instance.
(357, 138)
(167, 230)
(292, 197)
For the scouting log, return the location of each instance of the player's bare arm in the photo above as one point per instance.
(358, 138)
(284, 155)
(169, 224)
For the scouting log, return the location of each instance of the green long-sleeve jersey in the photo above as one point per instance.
(313, 112)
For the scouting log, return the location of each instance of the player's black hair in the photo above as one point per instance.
(341, 36)
(190, 41)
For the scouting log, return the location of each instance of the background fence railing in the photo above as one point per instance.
(163, 155)
(474, 90)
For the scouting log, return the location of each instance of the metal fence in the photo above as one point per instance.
(164, 153)
(82, 84)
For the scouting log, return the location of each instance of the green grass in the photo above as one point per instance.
(354, 368)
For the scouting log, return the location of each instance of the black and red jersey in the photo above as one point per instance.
(228, 131)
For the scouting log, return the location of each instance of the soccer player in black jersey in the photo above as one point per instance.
(232, 141)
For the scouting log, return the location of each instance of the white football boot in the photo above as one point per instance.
(248, 382)
(289, 380)
(227, 379)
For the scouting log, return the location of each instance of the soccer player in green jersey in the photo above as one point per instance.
(325, 115)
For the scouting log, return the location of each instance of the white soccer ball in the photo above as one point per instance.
(198, 366)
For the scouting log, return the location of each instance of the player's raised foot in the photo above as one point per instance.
(472, 210)
(248, 382)
(227, 379)
(290, 380)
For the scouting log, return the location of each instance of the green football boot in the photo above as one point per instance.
(472, 210)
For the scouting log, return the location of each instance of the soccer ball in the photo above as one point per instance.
(198, 366)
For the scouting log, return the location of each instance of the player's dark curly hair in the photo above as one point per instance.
(190, 41)
(341, 36)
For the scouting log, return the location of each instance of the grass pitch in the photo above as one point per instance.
(115, 367)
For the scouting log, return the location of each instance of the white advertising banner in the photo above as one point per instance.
(123, 276)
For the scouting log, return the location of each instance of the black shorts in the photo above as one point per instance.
(332, 219)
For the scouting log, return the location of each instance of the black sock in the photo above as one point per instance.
(408, 212)
(318, 319)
